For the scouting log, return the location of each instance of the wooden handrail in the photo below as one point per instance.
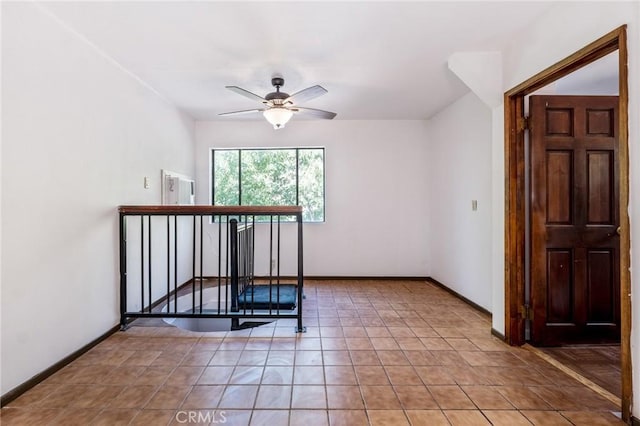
(207, 210)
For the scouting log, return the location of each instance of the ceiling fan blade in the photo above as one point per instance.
(246, 111)
(315, 112)
(305, 95)
(247, 94)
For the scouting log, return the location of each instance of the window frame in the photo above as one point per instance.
(297, 188)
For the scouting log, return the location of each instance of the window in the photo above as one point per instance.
(270, 177)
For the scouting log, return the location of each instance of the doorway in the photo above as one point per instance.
(516, 310)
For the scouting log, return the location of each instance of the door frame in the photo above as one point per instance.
(515, 193)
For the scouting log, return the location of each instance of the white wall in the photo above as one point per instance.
(78, 136)
(541, 45)
(376, 205)
(459, 165)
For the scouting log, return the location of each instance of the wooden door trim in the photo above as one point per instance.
(515, 194)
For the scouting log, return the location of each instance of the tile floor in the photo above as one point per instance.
(375, 352)
(598, 363)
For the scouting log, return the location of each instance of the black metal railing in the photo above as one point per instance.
(211, 262)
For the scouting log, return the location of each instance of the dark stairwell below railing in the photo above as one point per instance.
(208, 262)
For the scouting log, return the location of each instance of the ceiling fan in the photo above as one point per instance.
(279, 106)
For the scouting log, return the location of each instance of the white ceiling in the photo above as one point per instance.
(378, 60)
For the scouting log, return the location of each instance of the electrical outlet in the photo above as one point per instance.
(474, 205)
(146, 182)
(273, 264)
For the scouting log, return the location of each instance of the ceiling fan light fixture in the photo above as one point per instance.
(278, 116)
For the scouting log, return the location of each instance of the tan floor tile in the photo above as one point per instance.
(592, 418)
(352, 322)
(371, 375)
(168, 397)
(353, 330)
(287, 343)
(523, 398)
(461, 344)
(344, 397)
(142, 357)
(420, 358)
(215, 375)
(467, 375)
(258, 343)
(238, 396)
(545, 418)
(308, 344)
(28, 416)
(380, 398)
(506, 418)
(283, 344)
(487, 398)
(75, 417)
(335, 331)
(34, 395)
(384, 343)
(424, 332)
(377, 331)
(234, 417)
(246, 375)
(64, 376)
(435, 344)
(308, 358)
(153, 375)
(435, 375)
(281, 357)
(91, 374)
(277, 375)
(253, 357)
(183, 376)
(448, 358)
(466, 418)
(153, 417)
(114, 417)
(334, 344)
(365, 358)
(133, 397)
(308, 397)
(96, 396)
(225, 358)
(392, 358)
(387, 418)
(274, 396)
(168, 358)
(270, 418)
(359, 344)
(308, 375)
(348, 418)
(427, 418)
(124, 375)
(309, 417)
(451, 398)
(401, 331)
(233, 344)
(410, 344)
(203, 397)
(336, 358)
(402, 375)
(415, 398)
(340, 375)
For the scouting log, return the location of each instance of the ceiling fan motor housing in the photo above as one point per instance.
(277, 97)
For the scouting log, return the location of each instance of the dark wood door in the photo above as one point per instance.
(574, 219)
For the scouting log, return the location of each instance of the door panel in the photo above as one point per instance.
(599, 187)
(559, 177)
(574, 216)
